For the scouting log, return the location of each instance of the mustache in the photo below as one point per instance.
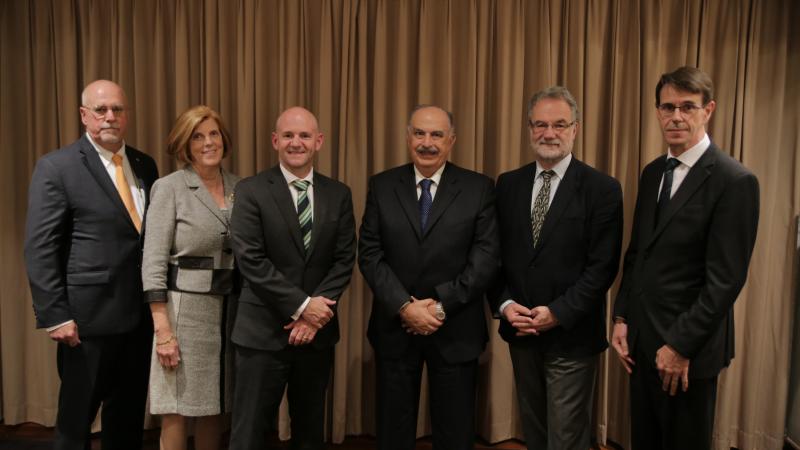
(109, 126)
(549, 142)
(423, 150)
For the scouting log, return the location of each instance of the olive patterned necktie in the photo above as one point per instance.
(541, 205)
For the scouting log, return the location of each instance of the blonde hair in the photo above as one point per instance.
(181, 134)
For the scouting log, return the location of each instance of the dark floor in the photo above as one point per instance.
(36, 437)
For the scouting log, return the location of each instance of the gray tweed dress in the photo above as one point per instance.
(188, 262)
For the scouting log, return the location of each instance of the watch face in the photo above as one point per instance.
(440, 315)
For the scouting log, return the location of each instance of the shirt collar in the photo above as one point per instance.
(436, 177)
(560, 168)
(106, 154)
(690, 157)
(290, 177)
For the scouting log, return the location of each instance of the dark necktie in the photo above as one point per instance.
(303, 211)
(541, 205)
(425, 201)
(666, 187)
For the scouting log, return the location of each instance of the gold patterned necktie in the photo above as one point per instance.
(541, 205)
(125, 192)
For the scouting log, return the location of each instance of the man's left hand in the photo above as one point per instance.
(543, 318)
(672, 368)
(302, 332)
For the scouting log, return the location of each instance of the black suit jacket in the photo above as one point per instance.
(452, 261)
(682, 275)
(575, 262)
(277, 273)
(82, 251)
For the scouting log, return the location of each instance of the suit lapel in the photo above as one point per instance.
(195, 184)
(694, 180)
(446, 193)
(564, 194)
(407, 196)
(279, 190)
(523, 195)
(320, 206)
(92, 161)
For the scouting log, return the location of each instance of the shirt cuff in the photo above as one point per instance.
(300, 310)
(55, 327)
(503, 306)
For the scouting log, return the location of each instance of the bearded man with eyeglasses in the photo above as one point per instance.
(83, 251)
(694, 229)
(560, 225)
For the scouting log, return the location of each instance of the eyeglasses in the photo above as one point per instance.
(558, 127)
(100, 111)
(668, 109)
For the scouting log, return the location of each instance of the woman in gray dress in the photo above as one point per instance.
(188, 276)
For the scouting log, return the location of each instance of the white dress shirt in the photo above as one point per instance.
(687, 160)
(436, 178)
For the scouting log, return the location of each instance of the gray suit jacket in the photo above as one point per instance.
(186, 235)
(82, 250)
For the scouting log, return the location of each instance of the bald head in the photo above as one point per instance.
(104, 113)
(296, 114)
(99, 87)
(297, 139)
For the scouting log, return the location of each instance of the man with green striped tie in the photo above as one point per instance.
(293, 235)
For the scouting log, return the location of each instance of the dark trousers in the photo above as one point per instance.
(555, 398)
(663, 422)
(108, 370)
(452, 400)
(261, 377)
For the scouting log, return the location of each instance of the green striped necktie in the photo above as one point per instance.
(304, 211)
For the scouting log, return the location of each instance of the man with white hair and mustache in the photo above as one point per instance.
(428, 249)
(560, 227)
(83, 251)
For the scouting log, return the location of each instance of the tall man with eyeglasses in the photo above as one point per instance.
(428, 249)
(694, 228)
(83, 251)
(560, 226)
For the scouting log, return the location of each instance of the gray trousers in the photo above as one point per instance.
(555, 398)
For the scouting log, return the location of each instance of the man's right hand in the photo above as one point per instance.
(619, 340)
(318, 311)
(520, 318)
(417, 319)
(66, 334)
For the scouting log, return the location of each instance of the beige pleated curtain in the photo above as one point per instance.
(361, 66)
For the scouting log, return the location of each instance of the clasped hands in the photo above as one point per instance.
(532, 321)
(672, 367)
(419, 316)
(317, 314)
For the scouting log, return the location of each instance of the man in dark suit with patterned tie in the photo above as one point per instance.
(561, 233)
(83, 251)
(694, 229)
(428, 249)
(293, 235)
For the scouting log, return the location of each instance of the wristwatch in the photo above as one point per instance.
(439, 309)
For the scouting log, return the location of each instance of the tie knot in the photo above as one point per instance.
(116, 159)
(425, 184)
(301, 185)
(672, 163)
(547, 174)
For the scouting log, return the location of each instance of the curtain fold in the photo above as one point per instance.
(360, 66)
